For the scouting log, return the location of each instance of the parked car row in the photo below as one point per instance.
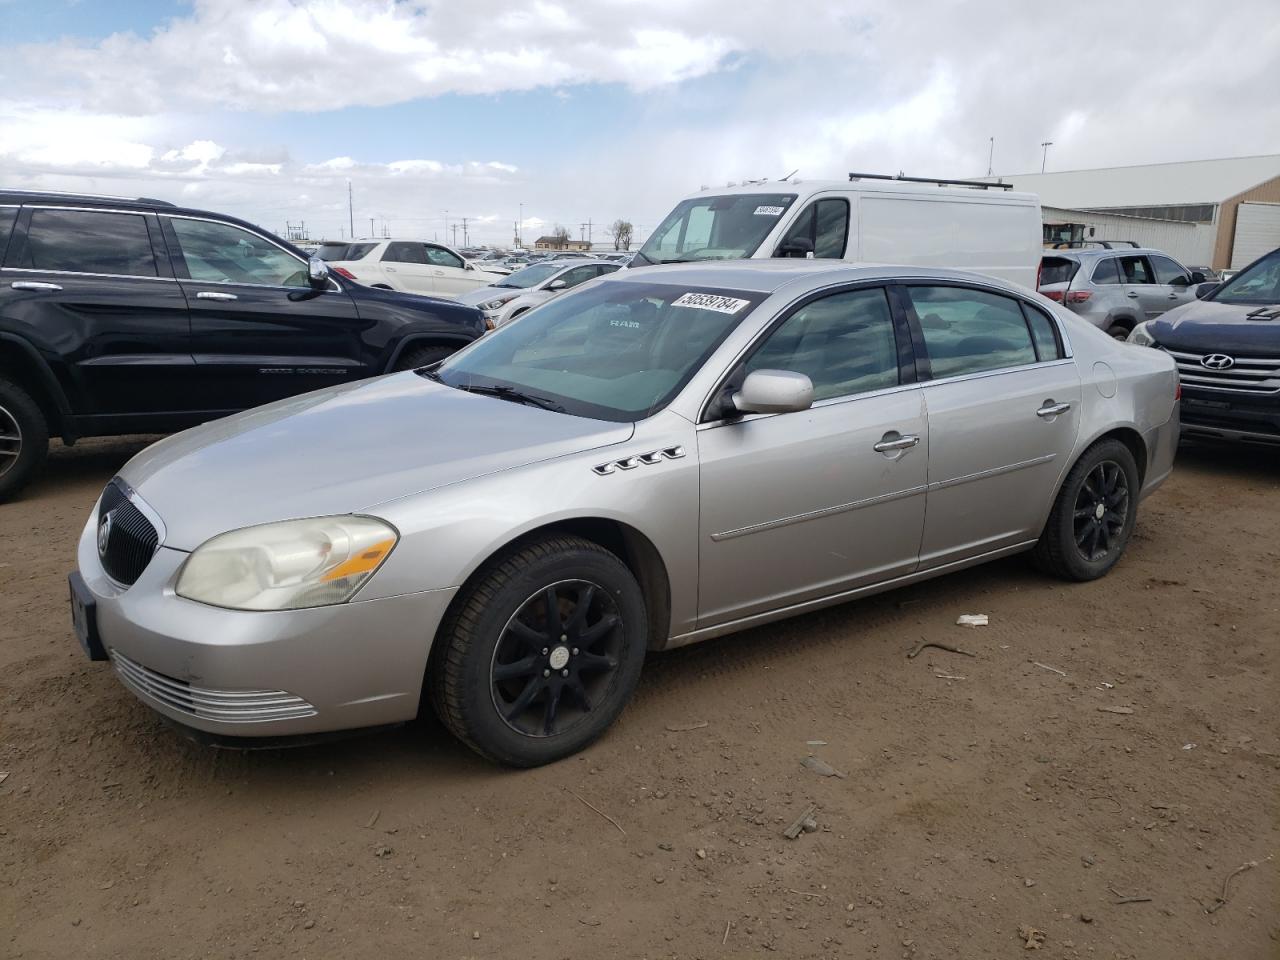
(508, 298)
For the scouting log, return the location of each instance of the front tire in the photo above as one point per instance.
(24, 439)
(1093, 516)
(540, 653)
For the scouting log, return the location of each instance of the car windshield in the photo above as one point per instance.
(531, 276)
(1260, 283)
(613, 351)
(715, 228)
(344, 251)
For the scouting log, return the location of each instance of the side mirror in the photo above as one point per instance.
(1197, 276)
(796, 247)
(1206, 290)
(317, 273)
(774, 391)
(556, 285)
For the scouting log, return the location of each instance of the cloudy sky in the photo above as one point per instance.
(591, 110)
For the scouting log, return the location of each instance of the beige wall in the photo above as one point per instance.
(1268, 192)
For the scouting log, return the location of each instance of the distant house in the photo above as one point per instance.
(555, 243)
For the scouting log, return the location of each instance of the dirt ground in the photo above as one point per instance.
(987, 799)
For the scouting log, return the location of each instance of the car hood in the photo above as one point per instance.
(1206, 326)
(345, 450)
(473, 298)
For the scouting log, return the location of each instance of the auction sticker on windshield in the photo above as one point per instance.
(769, 211)
(710, 301)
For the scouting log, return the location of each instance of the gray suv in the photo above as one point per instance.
(1116, 288)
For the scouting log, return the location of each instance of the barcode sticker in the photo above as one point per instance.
(764, 211)
(710, 301)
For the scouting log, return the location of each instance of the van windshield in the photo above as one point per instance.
(714, 228)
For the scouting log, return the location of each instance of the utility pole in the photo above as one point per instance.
(371, 233)
(1045, 159)
(520, 227)
(991, 155)
(465, 240)
(351, 214)
(455, 234)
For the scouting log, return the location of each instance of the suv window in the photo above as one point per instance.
(1057, 270)
(85, 241)
(7, 216)
(968, 331)
(404, 252)
(825, 224)
(844, 343)
(1169, 271)
(1135, 270)
(439, 257)
(1106, 271)
(344, 251)
(221, 253)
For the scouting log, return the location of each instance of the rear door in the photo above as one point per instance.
(258, 330)
(96, 286)
(1004, 407)
(405, 264)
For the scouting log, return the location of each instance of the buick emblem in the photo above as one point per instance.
(1218, 361)
(104, 532)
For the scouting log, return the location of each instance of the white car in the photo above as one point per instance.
(537, 283)
(410, 266)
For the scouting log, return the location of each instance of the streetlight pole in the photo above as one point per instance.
(351, 216)
(1045, 159)
(991, 155)
(520, 227)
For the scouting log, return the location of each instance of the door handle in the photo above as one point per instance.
(211, 295)
(1173, 296)
(1132, 294)
(890, 443)
(389, 269)
(38, 285)
(1051, 409)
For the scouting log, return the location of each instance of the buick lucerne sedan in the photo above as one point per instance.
(663, 456)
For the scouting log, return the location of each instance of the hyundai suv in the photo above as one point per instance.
(126, 316)
(1116, 288)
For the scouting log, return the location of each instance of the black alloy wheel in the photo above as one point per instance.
(555, 657)
(1101, 511)
(10, 441)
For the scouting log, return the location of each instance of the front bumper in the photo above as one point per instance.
(1228, 415)
(236, 673)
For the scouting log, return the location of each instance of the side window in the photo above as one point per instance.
(968, 331)
(7, 216)
(83, 241)
(844, 343)
(605, 268)
(1106, 272)
(1135, 270)
(825, 224)
(578, 275)
(439, 257)
(1045, 334)
(222, 253)
(404, 252)
(1169, 271)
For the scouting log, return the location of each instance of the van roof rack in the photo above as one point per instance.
(937, 181)
(1104, 244)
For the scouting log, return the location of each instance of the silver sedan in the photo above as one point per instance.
(537, 283)
(663, 456)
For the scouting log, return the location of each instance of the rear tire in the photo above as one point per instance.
(1093, 516)
(416, 357)
(525, 682)
(24, 438)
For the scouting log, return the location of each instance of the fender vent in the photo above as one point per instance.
(640, 459)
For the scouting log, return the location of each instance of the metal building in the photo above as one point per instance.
(1220, 213)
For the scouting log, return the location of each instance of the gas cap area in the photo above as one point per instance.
(1104, 378)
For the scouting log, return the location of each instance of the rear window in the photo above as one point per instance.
(85, 241)
(344, 251)
(1057, 270)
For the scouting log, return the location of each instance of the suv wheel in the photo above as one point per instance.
(416, 357)
(1094, 514)
(24, 438)
(1121, 329)
(541, 653)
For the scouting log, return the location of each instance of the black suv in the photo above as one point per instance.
(136, 316)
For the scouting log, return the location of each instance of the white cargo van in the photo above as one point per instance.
(967, 225)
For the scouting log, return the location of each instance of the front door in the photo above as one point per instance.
(1174, 280)
(258, 330)
(101, 281)
(405, 264)
(803, 505)
(1004, 409)
(449, 272)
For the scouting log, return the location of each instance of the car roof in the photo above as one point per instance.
(769, 276)
(1102, 252)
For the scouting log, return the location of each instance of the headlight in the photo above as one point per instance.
(1141, 336)
(498, 302)
(289, 565)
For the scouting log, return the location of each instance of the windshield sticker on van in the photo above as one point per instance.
(710, 301)
(765, 211)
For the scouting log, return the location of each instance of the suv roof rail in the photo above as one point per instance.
(73, 194)
(937, 181)
(1104, 244)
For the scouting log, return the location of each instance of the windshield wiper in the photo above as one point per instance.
(504, 392)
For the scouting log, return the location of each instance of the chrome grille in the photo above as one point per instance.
(1251, 375)
(235, 706)
(131, 538)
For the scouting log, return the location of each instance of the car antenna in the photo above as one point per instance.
(790, 175)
